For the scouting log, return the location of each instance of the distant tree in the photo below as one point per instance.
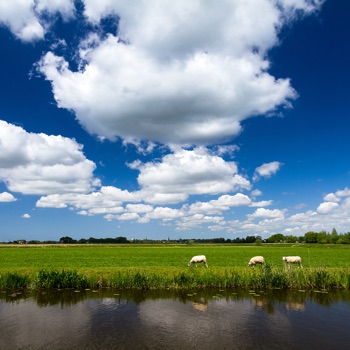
(67, 240)
(322, 237)
(334, 236)
(310, 237)
(250, 239)
(121, 240)
(33, 242)
(218, 240)
(291, 239)
(258, 240)
(276, 238)
(344, 239)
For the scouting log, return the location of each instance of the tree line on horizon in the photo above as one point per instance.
(321, 237)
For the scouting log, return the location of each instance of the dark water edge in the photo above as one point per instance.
(203, 319)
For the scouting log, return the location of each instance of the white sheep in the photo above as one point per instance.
(198, 259)
(292, 260)
(256, 260)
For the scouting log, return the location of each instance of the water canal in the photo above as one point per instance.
(210, 319)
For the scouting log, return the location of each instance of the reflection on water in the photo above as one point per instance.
(209, 319)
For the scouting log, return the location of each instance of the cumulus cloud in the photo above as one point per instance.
(266, 222)
(331, 197)
(29, 19)
(197, 220)
(139, 208)
(26, 216)
(7, 197)
(42, 164)
(266, 170)
(262, 203)
(164, 76)
(267, 213)
(214, 214)
(170, 180)
(127, 217)
(190, 172)
(164, 213)
(256, 193)
(217, 206)
(106, 200)
(20, 17)
(326, 207)
(343, 193)
(168, 78)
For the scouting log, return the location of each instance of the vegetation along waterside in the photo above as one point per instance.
(159, 267)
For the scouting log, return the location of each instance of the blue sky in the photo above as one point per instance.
(192, 119)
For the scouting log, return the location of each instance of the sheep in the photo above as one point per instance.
(198, 259)
(293, 260)
(256, 260)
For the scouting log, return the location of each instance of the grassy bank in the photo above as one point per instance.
(161, 267)
(265, 277)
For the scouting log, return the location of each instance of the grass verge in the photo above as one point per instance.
(265, 277)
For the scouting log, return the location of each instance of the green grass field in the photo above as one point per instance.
(109, 257)
(152, 266)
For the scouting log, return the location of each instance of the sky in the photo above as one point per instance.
(162, 119)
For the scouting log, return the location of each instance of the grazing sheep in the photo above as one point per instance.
(256, 260)
(293, 260)
(198, 259)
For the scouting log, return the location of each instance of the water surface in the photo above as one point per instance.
(211, 319)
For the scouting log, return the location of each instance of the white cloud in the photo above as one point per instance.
(107, 200)
(164, 198)
(7, 197)
(176, 80)
(128, 217)
(25, 18)
(26, 216)
(164, 213)
(217, 206)
(171, 180)
(65, 8)
(221, 150)
(199, 101)
(343, 193)
(20, 17)
(327, 216)
(266, 170)
(203, 207)
(42, 164)
(139, 208)
(165, 77)
(267, 213)
(238, 199)
(189, 172)
(197, 220)
(168, 27)
(109, 210)
(327, 207)
(144, 148)
(256, 193)
(262, 203)
(331, 197)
